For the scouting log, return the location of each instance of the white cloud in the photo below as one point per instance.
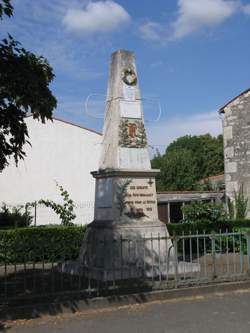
(246, 9)
(150, 31)
(196, 14)
(163, 133)
(101, 16)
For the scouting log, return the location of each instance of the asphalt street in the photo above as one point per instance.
(227, 312)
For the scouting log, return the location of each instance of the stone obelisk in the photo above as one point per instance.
(116, 244)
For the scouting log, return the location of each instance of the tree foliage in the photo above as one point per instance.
(6, 8)
(14, 217)
(187, 160)
(24, 87)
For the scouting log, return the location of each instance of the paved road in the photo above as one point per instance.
(224, 313)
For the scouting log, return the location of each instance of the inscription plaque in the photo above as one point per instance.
(134, 158)
(130, 109)
(141, 198)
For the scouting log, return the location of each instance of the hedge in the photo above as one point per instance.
(37, 244)
(60, 243)
(207, 226)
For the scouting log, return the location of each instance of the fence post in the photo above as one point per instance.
(175, 260)
(248, 251)
(213, 256)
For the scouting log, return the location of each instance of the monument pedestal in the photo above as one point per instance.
(114, 251)
(126, 240)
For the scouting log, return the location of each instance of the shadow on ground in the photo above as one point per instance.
(26, 298)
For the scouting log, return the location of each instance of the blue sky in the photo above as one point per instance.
(192, 56)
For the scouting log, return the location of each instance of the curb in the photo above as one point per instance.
(72, 303)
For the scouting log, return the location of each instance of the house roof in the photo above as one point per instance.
(71, 123)
(215, 178)
(187, 196)
(221, 110)
(190, 192)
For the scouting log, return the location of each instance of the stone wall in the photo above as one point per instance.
(236, 126)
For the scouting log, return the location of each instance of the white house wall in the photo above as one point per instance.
(62, 153)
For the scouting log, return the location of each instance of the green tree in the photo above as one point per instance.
(157, 163)
(24, 87)
(177, 171)
(187, 160)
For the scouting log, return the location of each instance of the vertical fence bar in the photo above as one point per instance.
(205, 254)
(220, 242)
(5, 271)
(159, 254)
(65, 276)
(191, 253)
(213, 255)
(198, 252)
(15, 271)
(43, 269)
(144, 257)
(221, 256)
(137, 264)
(24, 271)
(34, 272)
(184, 256)
(152, 259)
(247, 235)
(129, 257)
(80, 268)
(175, 260)
(234, 257)
(113, 241)
(227, 245)
(121, 252)
(166, 255)
(52, 273)
(241, 255)
(105, 251)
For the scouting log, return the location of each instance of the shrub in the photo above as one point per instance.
(15, 217)
(240, 204)
(200, 210)
(36, 244)
(64, 210)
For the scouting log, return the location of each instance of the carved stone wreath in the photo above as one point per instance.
(129, 77)
(132, 134)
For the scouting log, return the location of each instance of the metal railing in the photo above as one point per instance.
(189, 260)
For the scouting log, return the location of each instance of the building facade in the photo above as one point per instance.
(62, 153)
(236, 133)
(170, 203)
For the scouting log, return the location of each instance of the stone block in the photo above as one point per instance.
(231, 167)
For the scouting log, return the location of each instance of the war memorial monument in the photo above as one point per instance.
(126, 238)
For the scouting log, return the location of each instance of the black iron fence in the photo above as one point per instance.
(189, 260)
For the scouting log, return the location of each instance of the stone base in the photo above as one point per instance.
(133, 272)
(128, 250)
